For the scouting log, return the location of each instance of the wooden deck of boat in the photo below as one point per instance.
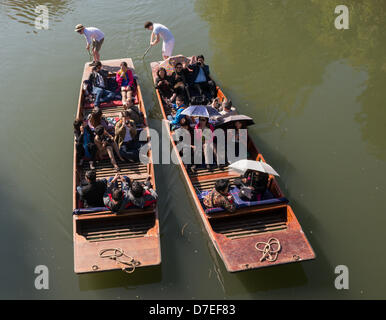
(234, 235)
(135, 231)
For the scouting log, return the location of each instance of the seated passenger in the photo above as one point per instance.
(84, 142)
(252, 185)
(99, 81)
(179, 81)
(114, 198)
(136, 115)
(164, 84)
(125, 81)
(236, 135)
(125, 137)
(227, 109)
(106, 146)
(207, 146)
(220, 197)
(187, 140)
(178, 107)
(216, 104)
(200, 78)
(142, 195)
(92, 193)
(96, 118)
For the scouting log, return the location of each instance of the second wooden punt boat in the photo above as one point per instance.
(236, 235)
(104, 240)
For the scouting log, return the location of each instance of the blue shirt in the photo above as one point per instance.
(175, 107)
(201, 76)
(178, 117)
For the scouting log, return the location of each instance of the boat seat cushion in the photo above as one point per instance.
(266, 200)
(114, 103)
(100, 209)
(90, 210)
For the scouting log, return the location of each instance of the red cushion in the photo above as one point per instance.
(114, 103)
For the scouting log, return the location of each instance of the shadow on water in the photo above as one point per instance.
(120, 279)
(23, 11)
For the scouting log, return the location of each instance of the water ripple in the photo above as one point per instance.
(23, 11)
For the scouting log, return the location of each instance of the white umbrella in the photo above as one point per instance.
(244, 165)
(200, 111)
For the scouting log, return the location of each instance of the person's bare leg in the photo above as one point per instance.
(115, 146)
(110, 152)
(124, 98)
(96, 55)
(129, 100)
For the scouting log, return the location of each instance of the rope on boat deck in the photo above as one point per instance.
(127, 266)
(269, 252)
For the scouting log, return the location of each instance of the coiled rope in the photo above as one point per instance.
(267, 248)
(127, 265)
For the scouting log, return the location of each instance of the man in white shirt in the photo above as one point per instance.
(93, 36)
(160, 31)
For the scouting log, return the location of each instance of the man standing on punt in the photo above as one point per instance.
(159, 30)
(95, 36)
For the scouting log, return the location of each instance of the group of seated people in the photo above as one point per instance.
(104, 86)
(191, 84)
(116, 138)
(97, 139)
(196, 125)
(107, 193)
(187, 81)
(252, 186)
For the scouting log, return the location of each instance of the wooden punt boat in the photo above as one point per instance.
(235, 235)
(134, 232)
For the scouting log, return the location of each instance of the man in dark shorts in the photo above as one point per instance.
(93, 36)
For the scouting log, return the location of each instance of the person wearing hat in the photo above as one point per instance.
(95, 36)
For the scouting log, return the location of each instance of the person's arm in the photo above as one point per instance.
(111, 183)
(152, 192)
(91, 78)
(88, 39)
(133, 129)
(80, 192)
(118, 127)
(228, 203)
(157, 81)
(109, 135)
(178, 117)
(118, 79)
(207, 72)
(99, 145)
(157, 38)
(131, 78)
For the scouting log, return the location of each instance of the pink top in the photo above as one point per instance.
(124, 79)
(198, 131)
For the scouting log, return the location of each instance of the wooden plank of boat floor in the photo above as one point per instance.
(203, 171)
(104, 169)
(208, 184)
(107, 111)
